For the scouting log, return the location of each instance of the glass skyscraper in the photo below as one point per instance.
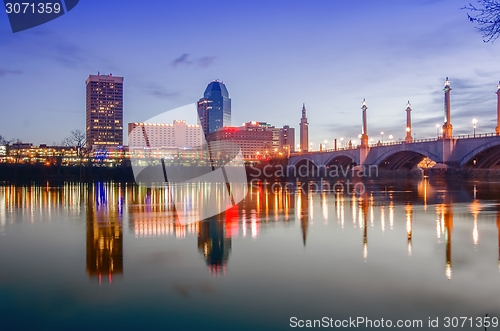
(214, 109)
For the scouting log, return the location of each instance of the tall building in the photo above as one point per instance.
(104, 111)
(214, 109)
(176, 135)
(304, 131)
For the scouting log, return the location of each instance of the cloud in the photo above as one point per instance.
(158, 92)
(183, 59)
(5, 72)
(53, 46)
(201, 62)
(206, 61)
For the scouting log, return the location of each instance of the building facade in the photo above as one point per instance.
(287, 139)
(254, 143)
(176, 135)
(283, 139)
(214, 109)
(104, 111)
(257, 140)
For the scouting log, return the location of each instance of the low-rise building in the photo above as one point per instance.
(161, 135)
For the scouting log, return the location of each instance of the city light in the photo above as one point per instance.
(474, 122)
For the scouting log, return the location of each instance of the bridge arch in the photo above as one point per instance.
(303, 167)
(484, 156)
(302, 159)
(341, 157)
(343, 160)
(403, 157)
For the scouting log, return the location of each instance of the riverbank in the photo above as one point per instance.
(263, 172)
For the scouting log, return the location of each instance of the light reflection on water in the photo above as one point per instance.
(276, 250)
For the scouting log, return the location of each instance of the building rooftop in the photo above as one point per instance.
(214, 88)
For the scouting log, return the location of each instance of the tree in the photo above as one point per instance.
(486, 16)
(4, 141)
(78, 141)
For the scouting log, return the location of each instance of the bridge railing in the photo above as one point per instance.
(477, 135)
(401, 141)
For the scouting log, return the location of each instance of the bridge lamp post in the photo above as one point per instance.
(474, 122)
(326, 141)
(390, 137)
(382, 134)
(342, 142)
(437, 130)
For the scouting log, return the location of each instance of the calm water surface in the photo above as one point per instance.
(109, 256)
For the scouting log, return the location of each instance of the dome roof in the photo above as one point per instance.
(216, 88)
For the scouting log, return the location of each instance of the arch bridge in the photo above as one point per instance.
(480, 152)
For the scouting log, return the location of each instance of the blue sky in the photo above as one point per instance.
(272, 55)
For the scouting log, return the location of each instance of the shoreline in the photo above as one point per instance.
(36, 173)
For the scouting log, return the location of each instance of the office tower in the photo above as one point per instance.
(104, 122)
(304, 131)
(214, 109)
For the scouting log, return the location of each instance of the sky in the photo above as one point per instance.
(273, 56)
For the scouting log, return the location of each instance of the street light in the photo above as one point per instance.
(326, 141)
(437, 131)
(474, 122)
(390, 137)
(382, 133)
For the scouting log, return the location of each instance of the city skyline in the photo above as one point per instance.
(337, 55)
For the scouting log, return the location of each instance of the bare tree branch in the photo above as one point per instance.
(77, 140)
(486, 16)
(4, 141)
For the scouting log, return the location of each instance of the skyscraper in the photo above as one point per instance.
(304, 131)
(104, 111)
(214, 109)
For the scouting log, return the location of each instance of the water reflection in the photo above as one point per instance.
(214, 245)
(409, 226)
(149, 213)
(104, 232)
